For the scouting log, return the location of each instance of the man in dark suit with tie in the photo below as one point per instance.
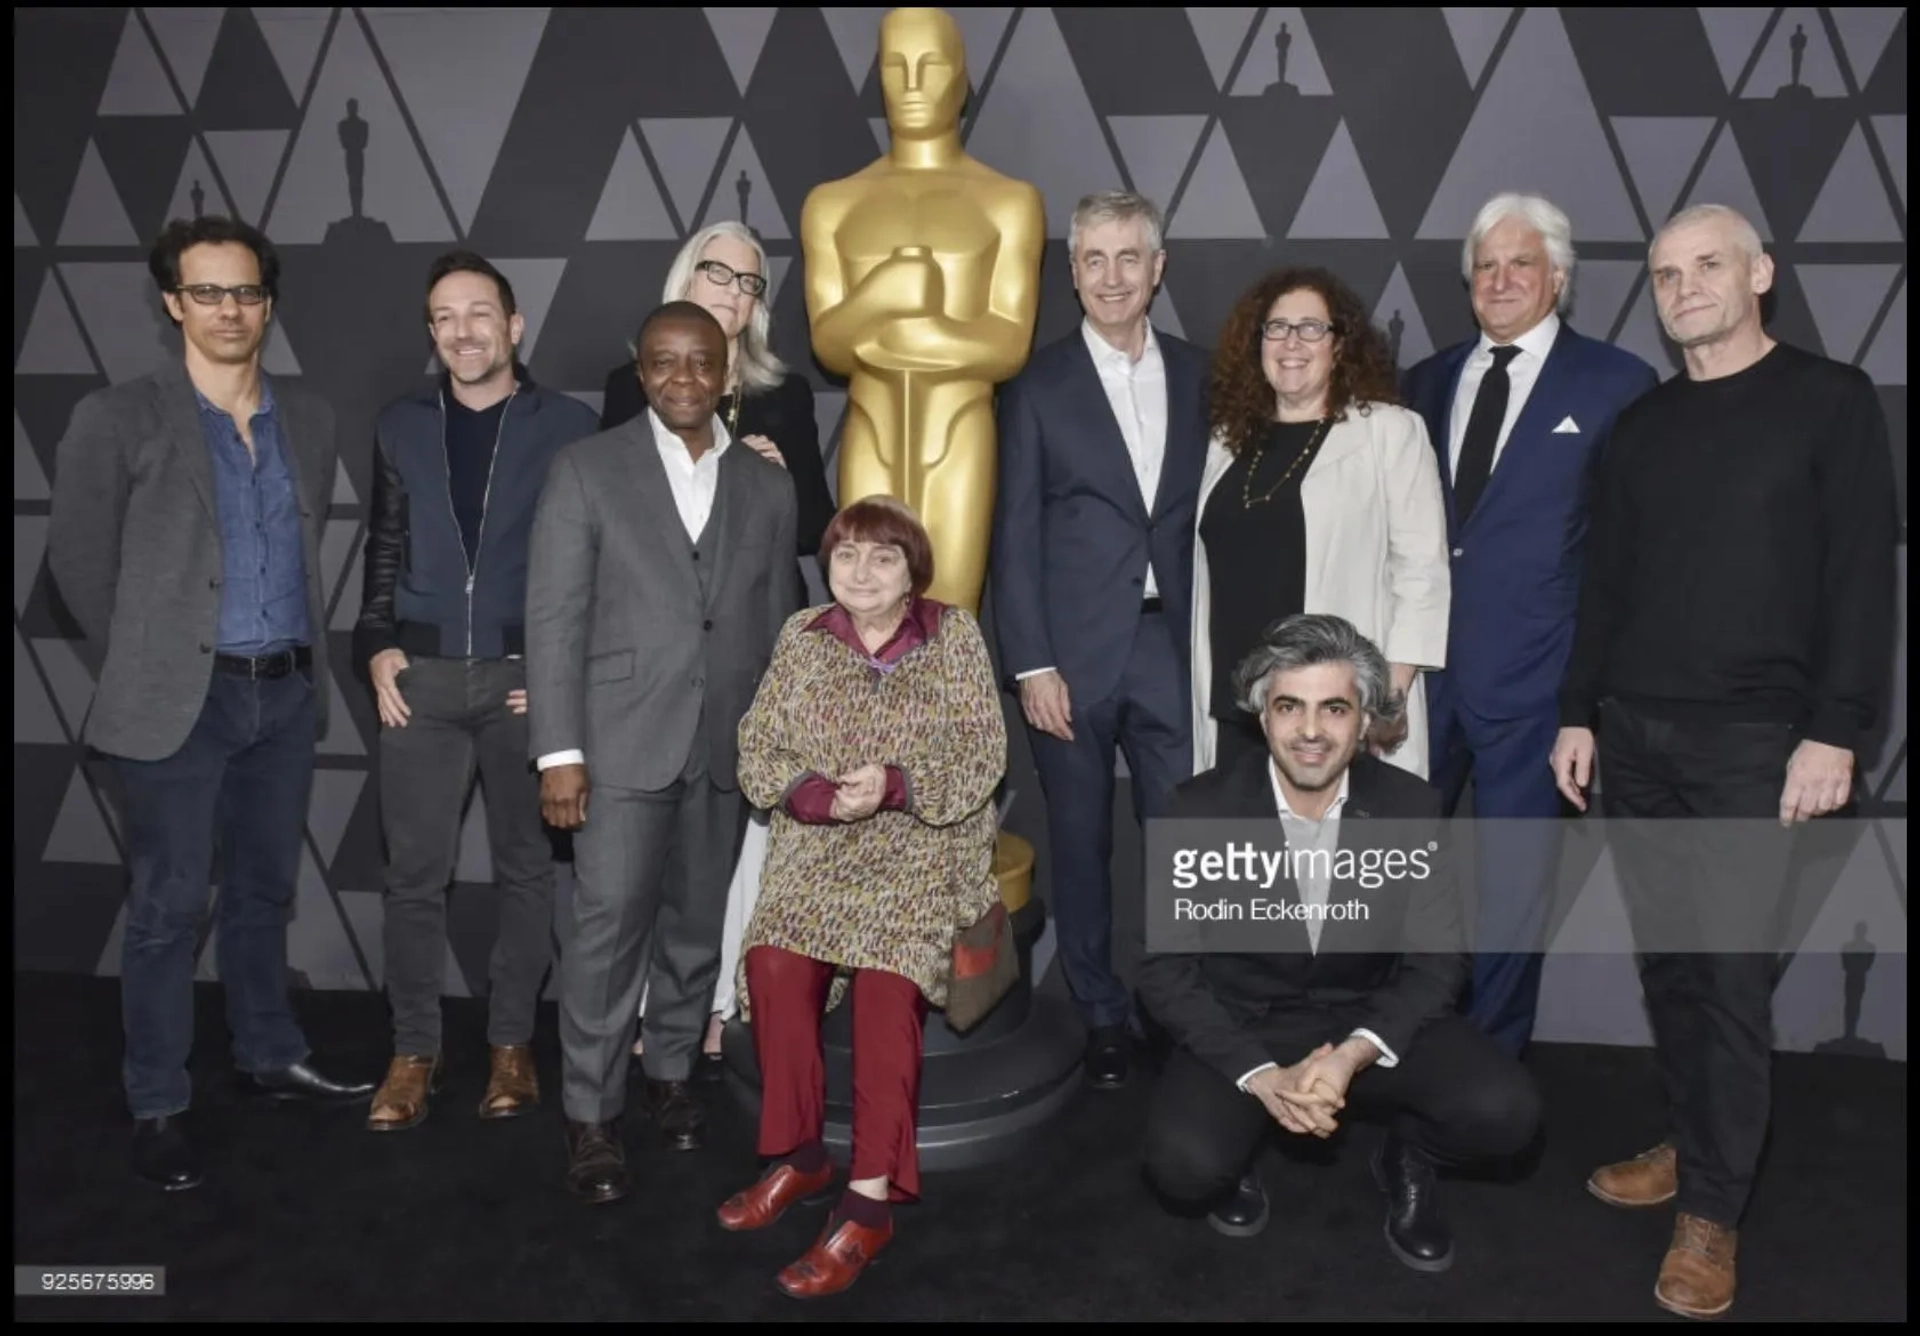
(1517, 415)
(1351, 1009)
(1102, 442)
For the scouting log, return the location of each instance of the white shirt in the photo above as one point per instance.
(1138, 393)
(1522, 374)
(1306, 833)
(694, 485)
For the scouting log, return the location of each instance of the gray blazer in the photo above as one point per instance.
(625, 647)
(134, 546)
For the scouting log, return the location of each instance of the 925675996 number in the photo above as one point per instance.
(129, 1281)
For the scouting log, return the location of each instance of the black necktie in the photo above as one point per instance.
(1483, 430)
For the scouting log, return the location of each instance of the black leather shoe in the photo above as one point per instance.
(1415, 1231)
(1244, 1214)
(674, 1110)
(596, 1161)
(1107, 1059)
(163, 1156)
(301, 1081)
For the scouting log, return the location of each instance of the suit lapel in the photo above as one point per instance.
(732, 507)
(1440, 427)
(652, 498)
(1254, 791)
(1184, 406)
(1087, 400)
(180, 413)
(1537, 420)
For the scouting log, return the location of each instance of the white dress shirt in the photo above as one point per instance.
(694, 484)
(1306, 833)
(1522, 374)
(1138, 392)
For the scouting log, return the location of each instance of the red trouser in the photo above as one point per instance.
(788, 993)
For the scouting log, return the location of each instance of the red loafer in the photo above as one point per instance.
(835, 1261)
(766, 1201)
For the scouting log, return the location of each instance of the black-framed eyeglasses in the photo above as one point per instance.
(1310, 331)
(720, 275)
(212, 294)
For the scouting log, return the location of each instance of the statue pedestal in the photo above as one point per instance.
(983, 1095)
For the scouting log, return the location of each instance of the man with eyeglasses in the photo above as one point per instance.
(185, 541)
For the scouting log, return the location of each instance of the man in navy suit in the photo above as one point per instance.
(1102, 440)
(1517, 416)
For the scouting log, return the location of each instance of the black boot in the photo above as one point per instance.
(1415, 1231)
(163, 1156)
(1245, 1213)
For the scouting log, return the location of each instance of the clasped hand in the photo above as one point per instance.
(1305, 1097)
(859, 793)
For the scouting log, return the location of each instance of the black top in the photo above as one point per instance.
(471, 438)
(1740, 565)
(783, 414)
(1256, 550)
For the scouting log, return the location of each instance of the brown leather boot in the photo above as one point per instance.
(1650, 1178)
(401, 1100)
(512, 1087)
(1696, 1279)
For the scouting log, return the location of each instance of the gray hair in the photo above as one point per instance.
(1116, 206)
(759, 368)
(1537, 212)
(1745, 235)
(1308, 639)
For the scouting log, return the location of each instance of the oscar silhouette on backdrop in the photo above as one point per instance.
(1856, 961)
(743, 188)
(356, 229)
(1280, 90)
(199, 197)
(1396, 329)
(1793, 89)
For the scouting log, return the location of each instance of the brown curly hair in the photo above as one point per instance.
(1240, 402)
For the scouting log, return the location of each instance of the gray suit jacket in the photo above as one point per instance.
(624, 650)
(134, 546)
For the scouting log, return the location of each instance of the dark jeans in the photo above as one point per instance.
(242, 778)
(459, 725)
(1454, 1095)
(1711, 1013)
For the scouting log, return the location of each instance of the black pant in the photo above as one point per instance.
(1711, 1009)
(1454, 1095)
(459, 725)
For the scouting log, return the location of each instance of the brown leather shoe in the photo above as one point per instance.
(401, 1100)
(512, 1087)
(835, 1260)
(1650, 1178)
(766, 1201)
(1696, 1280)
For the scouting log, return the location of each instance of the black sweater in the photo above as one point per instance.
(1741, 559)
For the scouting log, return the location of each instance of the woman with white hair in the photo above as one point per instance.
(770, 410)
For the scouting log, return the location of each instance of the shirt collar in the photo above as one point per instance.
(266, 398)
(1105, 353)
(920, 625)
(1280, 794)
(1536, 342)
(666, 441)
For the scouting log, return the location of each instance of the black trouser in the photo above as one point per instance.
(1454, 1096)
(1721, 886)
(460, 724)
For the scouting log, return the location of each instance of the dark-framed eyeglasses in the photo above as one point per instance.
(720, 275)
(212, 294)
(1310, 331)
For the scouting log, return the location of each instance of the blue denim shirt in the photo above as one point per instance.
(263, 584)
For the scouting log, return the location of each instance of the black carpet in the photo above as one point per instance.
(306, 1216)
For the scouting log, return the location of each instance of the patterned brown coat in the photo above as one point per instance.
(889, 892)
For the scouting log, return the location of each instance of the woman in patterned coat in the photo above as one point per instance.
(876, 739)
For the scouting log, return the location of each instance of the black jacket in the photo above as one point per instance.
(1219, 1006)
(420, 595)
(783, 414)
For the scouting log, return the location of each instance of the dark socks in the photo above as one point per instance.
(810, 1158)
(863, 1211)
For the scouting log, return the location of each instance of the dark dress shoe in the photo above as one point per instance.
(766, 1201)
(835, 1261)
(1244, 1214)
(163, 1156)
(596, 1161)
(1415, 1231)
(302, 1081)
(676, 1112)
(1107, 1059)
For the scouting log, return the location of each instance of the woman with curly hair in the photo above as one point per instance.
(1320, 495)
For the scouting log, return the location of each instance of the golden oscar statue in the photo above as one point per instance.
(923, 281)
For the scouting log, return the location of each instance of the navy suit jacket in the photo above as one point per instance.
(1516, 561)
(1072, 535)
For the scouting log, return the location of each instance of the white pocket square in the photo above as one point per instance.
(1567, 427)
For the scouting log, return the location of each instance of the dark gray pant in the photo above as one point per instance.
(460, 724)
(650, 878)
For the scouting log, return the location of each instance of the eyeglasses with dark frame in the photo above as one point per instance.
(212, 294)
(720, 275)
(1310, 331)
